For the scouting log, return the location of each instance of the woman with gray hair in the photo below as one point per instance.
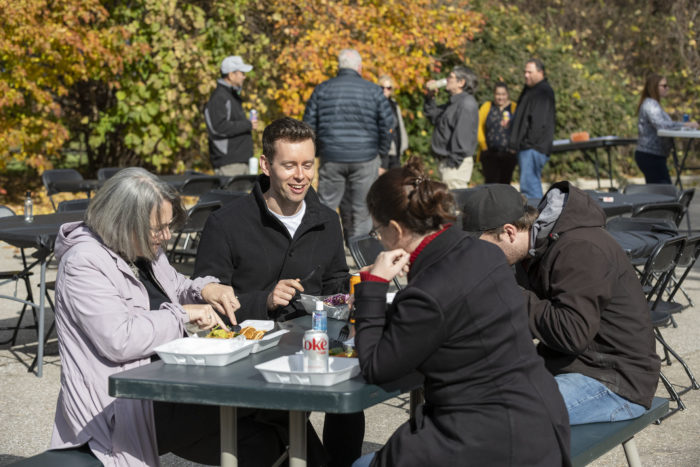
(118, 298)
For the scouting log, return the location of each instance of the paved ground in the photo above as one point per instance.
(27, 403)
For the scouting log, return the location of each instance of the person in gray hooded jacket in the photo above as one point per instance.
(585, 302)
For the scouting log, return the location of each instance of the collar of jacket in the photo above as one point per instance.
(437, 248)
(348, 72)
(459, 97)
(234, 90)
(312, 217)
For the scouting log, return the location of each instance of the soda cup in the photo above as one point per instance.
(315, 351)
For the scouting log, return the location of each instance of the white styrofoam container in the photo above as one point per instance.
(289, 370)
(209, 352)
(268, 340)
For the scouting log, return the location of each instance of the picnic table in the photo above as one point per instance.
(590, 147)
(688, 135)
(41, 234)
(241, 385)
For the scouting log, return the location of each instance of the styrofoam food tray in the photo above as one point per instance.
(268, 340)
(209, 352)
(289, 370)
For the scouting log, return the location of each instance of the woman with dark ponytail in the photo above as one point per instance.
(461, 322)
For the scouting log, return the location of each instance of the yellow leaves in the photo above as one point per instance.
(576, 95)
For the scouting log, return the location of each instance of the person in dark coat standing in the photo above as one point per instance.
(584, 300)
(230, 131)
(532, 128)
(267, 241)
(353, 121)
(460, 322)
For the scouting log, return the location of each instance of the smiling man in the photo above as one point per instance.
(266, 241)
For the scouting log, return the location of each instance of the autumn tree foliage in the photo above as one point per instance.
(46, 48)
(409, 40)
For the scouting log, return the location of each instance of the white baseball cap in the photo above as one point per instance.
(234, 63)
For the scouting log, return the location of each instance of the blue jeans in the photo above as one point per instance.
(653, 167)
(364, 461)
(589, 401)
(531, 163)
(356, 177)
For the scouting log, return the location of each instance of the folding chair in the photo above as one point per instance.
(196, 219)
(64, 180)
(244, 183)
(655, 188)
(689, 255)
(364, 250)
(73, 205)
(105, 173)
(223, 196)
(197, 185)
(684, 199)
(17, 275)
(669, 211)
(656, 275)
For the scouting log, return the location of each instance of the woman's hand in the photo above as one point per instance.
(203, 316)
(390, 264)
(693, 125)
(222, 298)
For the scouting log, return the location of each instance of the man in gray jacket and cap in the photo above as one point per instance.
(230, 131)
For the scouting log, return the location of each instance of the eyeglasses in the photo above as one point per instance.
(374, 233)
(665, 86)
(388, 88)
(161, 228)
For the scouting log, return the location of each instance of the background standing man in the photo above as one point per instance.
(353, 121)
(456, 124)
(230, 131)
(585, 302)
(266, 241)
(532, 128)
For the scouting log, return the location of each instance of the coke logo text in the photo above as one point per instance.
(316, 345)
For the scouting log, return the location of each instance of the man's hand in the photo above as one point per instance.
(390, 264)
(222, 298)
(283, 293)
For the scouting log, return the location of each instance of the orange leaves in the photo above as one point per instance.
(396, 37)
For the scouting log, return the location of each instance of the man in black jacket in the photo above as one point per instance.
(353, 121)
(230, 132)
(532, 128)
(263, 243)
(585, 303)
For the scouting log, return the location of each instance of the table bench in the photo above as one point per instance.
(592, 440)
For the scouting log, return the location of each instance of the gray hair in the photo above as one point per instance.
(469, 77)
(120, 212)
(349, 58)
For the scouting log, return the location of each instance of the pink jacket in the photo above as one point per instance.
(104, 326)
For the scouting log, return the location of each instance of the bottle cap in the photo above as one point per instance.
(29, 193)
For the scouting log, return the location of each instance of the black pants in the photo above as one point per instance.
(653, 167)
(498, 165)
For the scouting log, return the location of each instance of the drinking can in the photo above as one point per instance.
(506, 116)
(354, 280)
(686, 117)
(315, 348)
(319, 318)
(253, 115)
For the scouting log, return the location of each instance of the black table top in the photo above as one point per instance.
(564, 145)
(615, 204)
(40, 233)
(240, 384)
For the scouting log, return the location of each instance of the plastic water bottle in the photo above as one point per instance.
(441, 83)
(319, 319)
(253, 165)
(28, 207)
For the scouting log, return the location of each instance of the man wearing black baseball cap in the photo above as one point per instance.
(585, 303)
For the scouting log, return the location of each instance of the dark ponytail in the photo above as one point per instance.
(408, 196)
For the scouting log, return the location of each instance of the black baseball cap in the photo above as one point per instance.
(490, 207)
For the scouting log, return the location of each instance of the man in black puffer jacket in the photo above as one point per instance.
(352, 120)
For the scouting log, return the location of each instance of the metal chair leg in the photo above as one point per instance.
(693, 381)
